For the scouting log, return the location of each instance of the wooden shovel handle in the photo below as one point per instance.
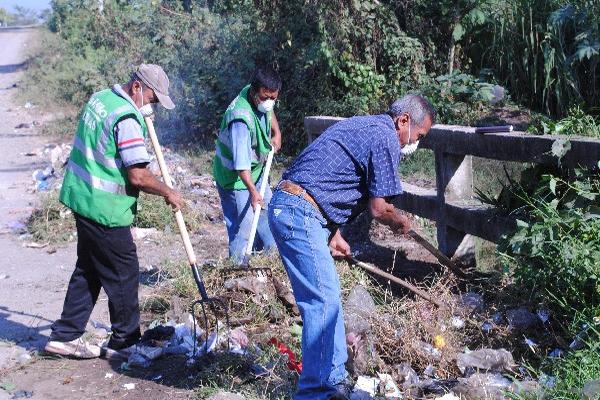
(167, 179)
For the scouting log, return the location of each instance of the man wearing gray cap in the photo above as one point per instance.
(106, 171)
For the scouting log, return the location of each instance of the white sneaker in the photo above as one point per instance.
(77, 348)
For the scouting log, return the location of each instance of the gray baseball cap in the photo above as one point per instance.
(156, 78)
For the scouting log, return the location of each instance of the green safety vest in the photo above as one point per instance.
(224, 171)
(96, 184)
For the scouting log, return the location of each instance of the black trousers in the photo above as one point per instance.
(107, 258)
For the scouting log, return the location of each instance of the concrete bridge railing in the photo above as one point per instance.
(451, 204)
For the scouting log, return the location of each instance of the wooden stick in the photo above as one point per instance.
(442, 258)
(401, 282)
(187, 243)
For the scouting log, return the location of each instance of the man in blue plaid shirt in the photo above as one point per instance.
(350, 168)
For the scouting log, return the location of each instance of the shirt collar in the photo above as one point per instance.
(118, 89)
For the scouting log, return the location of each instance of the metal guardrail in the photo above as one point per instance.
(451, 204)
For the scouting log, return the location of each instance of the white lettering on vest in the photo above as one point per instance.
(98, 107)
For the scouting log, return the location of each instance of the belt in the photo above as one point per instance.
(297, 190)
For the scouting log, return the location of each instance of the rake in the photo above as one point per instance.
(205, 300)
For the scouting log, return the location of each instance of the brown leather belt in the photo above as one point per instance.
(297, 190)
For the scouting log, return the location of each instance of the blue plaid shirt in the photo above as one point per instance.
(352, 161)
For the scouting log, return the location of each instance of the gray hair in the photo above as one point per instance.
(416, 106)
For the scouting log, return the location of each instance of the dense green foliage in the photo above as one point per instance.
(336, 57)
(556, 248)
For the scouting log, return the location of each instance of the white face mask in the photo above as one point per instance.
(266, 106)
(145, 110)
(409, 148)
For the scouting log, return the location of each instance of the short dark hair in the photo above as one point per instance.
(418, 107)
(265, 77)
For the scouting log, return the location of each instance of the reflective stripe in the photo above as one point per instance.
(95, 155)
(224, 161)
(108, 123)
(95, 182)
(225, 137)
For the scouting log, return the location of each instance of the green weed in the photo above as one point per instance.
(51, 222)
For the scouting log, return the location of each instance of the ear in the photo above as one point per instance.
(136, 86)
(403, 119)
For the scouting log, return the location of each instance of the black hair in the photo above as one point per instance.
(265, 77)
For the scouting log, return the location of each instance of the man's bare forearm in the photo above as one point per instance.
(387, 214)
(246, 177)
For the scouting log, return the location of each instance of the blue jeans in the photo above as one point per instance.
(238, 214)
(302, 237)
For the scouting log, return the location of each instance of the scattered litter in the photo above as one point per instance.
(28, 105)
(17, 227)
(23, 125)
(430, 371)
(59, 155)
(437, 386)
(485, 360)
(125, 367)
(138, 360)
(555, 353)
(100, 325)
(22, 394)
(24, 358)
(358, 310)
(159, 332)
(238, 340)
(3, 276)
(543, 315)
(292, 363)
(579, 340)
(43, 178)
(482, 386)
(156, 377)
(250, 284)
(439, 342)
(108, 375)
(487, 327)
(388, 387)
(8, 386)
(448, 396)
(547, 381)
(35, 245)
(591, 390)
(521, 319)
(142, 233)
(129, 386)
(226, 396)
(149, 352)
(457, 322)
(408, 377)
(367, 384)
(530, 343)
(473, 301)
(428, 349)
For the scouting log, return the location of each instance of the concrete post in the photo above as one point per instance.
(454, 182)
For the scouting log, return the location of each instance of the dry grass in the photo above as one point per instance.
(51, 222)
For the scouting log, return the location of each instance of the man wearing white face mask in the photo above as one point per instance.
(351, 168)
(106, 171)
(249, 130)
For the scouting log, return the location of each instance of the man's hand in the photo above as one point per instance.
(387, 214)
(175, 200)
(338, 246)
(256, 199)
(403, 226)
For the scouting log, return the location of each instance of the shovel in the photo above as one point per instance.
(263, 187)
(442, 258)
(212, 302)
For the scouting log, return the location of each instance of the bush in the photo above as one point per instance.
(555, 251)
